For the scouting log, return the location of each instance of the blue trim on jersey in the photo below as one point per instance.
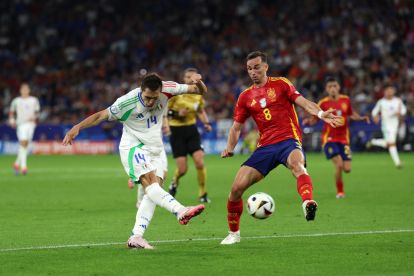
(266, 158)
(140, 98)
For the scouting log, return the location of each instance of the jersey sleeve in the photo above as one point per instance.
(376, 109)
(171, 88)
(13, 105)
(241, 113)
(202, 103)
(290, 90)
(122, 107)
(37, 105)
(403, 108)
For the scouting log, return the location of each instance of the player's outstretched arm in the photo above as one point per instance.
(234, 135)
(92, 120)
(314, 109)
(198, 86)
(356, 117)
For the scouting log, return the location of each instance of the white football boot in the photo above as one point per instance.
(309, 209)
(232, 238)
(138, 242)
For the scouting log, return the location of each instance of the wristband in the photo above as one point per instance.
(320, 114)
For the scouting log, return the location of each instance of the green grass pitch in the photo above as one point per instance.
(81, 205)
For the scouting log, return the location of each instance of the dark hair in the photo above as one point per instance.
(331, 79)
(191, 69)
(256, 54)
(388, 85)
(151, 81)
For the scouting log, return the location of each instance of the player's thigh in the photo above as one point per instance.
(137, 162)
(337, 161)
(25, 132)
(245, 177)
(390, 135)
(296, 162)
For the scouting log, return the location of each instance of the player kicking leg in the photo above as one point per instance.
(262, 161)
(389, 143)
(149, 169)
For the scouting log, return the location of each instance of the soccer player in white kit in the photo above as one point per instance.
(24, 111)
(141, 147)
(391, 109)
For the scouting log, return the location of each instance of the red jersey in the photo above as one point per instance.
(343, 108)
(272, 108)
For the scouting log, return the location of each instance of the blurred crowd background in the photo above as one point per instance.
(79, 56)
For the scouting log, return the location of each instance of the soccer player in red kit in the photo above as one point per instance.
(270, 101)
(335, 141)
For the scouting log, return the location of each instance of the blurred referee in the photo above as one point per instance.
(183, 111)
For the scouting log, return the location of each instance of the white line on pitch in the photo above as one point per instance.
(209, 239)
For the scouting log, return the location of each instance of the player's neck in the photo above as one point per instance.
(262, 82)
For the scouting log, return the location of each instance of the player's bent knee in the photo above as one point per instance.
(199, 165)
(297, 168)
(182, 171)
(24, 143)
(236, 191)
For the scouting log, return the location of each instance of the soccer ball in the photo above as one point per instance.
(260, 205)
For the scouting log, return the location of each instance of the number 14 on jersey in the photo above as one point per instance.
(151, 120)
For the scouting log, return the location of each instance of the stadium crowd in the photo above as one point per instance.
(79, 56)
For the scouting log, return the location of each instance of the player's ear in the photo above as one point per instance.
(266, 67)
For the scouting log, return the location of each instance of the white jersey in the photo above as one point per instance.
(389, 110)
(25, 109)
(142, 125)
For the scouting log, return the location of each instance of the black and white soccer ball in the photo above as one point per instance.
(260, 205)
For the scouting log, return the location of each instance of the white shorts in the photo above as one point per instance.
(25, 131)
(390, 135)
(137, 162)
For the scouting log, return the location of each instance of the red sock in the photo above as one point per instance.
(234, 211)
(305, 187)
(339, 186)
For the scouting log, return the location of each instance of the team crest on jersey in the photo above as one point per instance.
(140, 116)
(271, 94)
(253, 102)
(344, 107)
(263, 103)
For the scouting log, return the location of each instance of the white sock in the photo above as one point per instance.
(23, 157)
(379, 143)
(140, 195)
(17, 162)
(144, 216)
(394, 155)
(163, 199)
